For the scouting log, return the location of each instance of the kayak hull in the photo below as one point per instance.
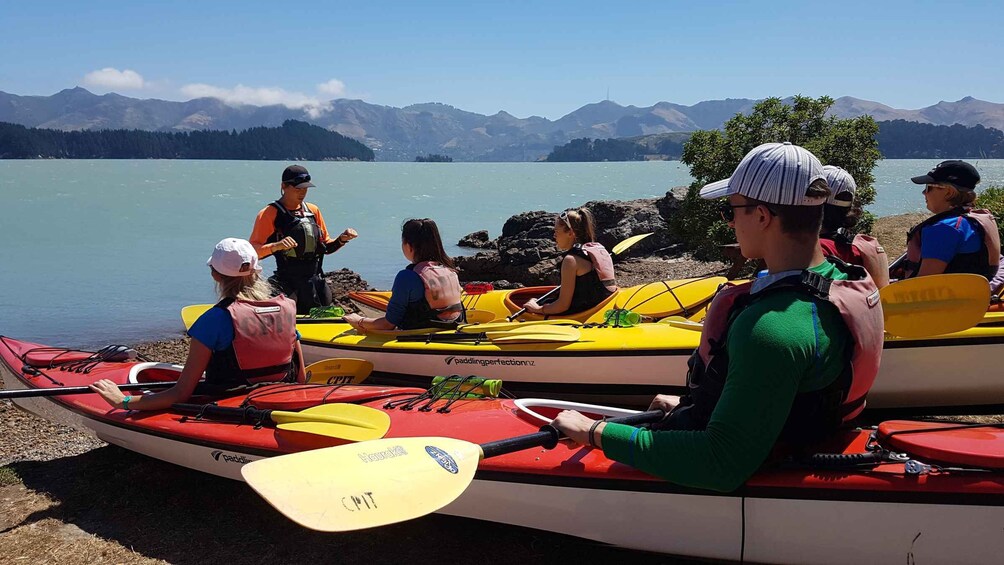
(628, 366)
(780, 515)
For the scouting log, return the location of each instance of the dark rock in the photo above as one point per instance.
(477, 240)
(342, 282)
(526, 252)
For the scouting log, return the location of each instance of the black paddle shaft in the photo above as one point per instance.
(59, 391)
(548, 435)
(247, 414)
(521, 310)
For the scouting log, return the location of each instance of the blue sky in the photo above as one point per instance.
(542, 58)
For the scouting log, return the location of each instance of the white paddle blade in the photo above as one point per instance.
(364, 485)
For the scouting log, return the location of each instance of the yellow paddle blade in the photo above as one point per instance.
(536, 334)
(363, 485)
(935, 304)
(339, 371)
(624, 245)
(191, 313)
(337, 413)
(475, 316)
(504, 326)
(340, 431)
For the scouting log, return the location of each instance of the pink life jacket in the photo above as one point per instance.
(442, 290)
(602, 263)
(984, 262)
(263, 346)
(814, 413)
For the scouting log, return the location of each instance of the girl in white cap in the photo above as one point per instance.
(247, 338)
(841, 214)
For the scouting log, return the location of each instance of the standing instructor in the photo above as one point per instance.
(293, 231)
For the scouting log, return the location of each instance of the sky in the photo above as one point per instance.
(541, 57)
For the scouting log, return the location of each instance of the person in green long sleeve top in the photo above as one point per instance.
(783, 369)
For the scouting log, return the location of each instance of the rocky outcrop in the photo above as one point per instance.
(342, 282)
(477, 240)
(525, 252)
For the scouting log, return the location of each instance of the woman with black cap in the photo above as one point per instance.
(957, 238)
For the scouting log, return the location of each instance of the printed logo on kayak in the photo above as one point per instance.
(230, 458)
(384, 454)
(443, 458)
(455, 360)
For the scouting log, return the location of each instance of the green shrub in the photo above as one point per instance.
(992, 198)
(713, 155)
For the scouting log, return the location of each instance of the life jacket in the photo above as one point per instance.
(442, 303)
(984, 261)
(301, 225)
(596, 285)
(263, 346)
(813, 414)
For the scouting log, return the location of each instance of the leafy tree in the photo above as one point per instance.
(714, 155)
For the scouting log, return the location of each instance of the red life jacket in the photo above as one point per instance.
(602, 263)
(442, 290)
(813, 414)
(984, 262)
(264, 341)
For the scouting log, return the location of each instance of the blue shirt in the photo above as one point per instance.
(947, 238)
(408, 288)
(214, 329)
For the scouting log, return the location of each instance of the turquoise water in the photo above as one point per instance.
(100, 251)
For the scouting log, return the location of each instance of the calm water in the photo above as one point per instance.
(94, 252)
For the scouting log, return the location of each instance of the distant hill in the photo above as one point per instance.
(289, 142)
(897, 139)
(433, 128)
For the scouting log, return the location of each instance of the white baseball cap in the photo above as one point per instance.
(841, 183)
(234, 258)
(775, 173)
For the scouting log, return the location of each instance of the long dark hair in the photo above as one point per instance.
(423, 237)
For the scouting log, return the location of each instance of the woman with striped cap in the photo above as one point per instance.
(840, 215)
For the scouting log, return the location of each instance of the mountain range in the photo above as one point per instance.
(400, 134)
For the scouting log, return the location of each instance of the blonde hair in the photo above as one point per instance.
(580, 222)
(251, 287)
(958, 197)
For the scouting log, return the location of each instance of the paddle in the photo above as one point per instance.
(322, 371)
(339, 420)
(534, 333)
(363, 485)
(922, 306)
(191, 313)
(339, 371)
(935, 304)
(497, 326)
(619, 248)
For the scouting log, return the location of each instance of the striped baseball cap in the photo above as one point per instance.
(842, 186)
(775, 173)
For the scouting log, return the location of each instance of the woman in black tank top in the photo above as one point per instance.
(582, 286)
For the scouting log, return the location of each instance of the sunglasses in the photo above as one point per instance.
(564, 218)
(299, 179)
(728, 211)
(932, 187)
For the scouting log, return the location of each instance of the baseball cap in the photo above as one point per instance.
(841, 185)
(296, 176)
(234, 258)
(959, 174)
(775, 173)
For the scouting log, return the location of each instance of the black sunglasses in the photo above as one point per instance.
(728, 211)
(299, 179)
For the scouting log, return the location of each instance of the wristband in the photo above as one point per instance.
(592, 433)
(125, 402)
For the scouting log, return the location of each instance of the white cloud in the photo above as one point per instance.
(333, 87)
(314, 106)
(114, 79)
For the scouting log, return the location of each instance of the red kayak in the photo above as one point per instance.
(941, 502)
